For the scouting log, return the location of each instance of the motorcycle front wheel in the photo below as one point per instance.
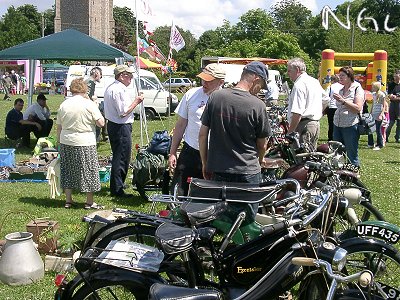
(381, 259)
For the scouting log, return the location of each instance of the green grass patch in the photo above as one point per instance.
(22, 202)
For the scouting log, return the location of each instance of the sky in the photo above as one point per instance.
(196, 16)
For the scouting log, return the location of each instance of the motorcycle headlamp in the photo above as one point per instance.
(333, 254)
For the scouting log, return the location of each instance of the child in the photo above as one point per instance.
(385, 121)
(379, 106)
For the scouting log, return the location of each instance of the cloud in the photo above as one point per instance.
(196, 16)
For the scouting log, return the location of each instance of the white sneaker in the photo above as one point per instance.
(376, 148)
(370, 146)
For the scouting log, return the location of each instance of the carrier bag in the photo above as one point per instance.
(366, 124)
(160, 143)
(147, 168)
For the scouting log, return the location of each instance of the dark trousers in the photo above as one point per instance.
(47, 125)
(120, 136)
(330, 113)
(188, 165)
(24, 132)
(389, 129)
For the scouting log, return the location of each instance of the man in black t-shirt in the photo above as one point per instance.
(234, 132)
(17, 127)
(235, 128)
(394, 107)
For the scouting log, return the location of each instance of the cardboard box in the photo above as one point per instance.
(44, 234)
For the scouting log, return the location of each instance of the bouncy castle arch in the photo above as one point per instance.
(376, 70)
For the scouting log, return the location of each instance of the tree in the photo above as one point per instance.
(380, 10)
(125, 29)
(290, 16)
(14, 32)
(277, 44)
(252, 25)
(313, 38)
(49, 16)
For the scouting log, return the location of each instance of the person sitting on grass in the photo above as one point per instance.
(39, 112)
(17, 127)
(77, 119)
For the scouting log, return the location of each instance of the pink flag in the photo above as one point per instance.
(176, 40)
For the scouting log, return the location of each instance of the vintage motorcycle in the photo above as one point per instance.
(241, 270)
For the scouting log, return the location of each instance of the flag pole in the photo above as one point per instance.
(142, 114)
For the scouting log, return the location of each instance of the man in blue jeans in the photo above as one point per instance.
(235, 128)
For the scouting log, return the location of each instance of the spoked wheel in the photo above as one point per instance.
(381, 259)
(111, 291)
(345, 227)
(365, 210)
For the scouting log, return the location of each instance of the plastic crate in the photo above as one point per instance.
(7, 157)
(32, 176)
(105, 174)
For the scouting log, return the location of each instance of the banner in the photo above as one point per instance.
(176, 40)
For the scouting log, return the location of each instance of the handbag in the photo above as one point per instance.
(160, 143)
(366, 124)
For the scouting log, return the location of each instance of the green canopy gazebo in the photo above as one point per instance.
(68, 44)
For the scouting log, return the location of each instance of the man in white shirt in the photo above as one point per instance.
(271, 93)
(39, 112)
(188, 125)
(334, 88)
(118, 110)
(306, 102)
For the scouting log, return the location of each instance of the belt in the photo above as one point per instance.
(189, 148)
(307, 120)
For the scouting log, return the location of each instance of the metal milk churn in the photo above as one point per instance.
(20, 262)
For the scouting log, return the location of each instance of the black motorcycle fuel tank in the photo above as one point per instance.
(247, 263)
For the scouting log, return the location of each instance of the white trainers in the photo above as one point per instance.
(370, 146)
(376, 148)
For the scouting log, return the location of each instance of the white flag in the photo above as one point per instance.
(144, 10)
(176, 40)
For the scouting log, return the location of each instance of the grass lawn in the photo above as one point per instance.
(22, 202)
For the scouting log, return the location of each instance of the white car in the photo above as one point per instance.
(157, 101)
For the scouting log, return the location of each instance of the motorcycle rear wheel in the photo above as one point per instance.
(111, 291)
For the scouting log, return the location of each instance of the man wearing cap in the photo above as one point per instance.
(189, 112)
(306, 102)
(118, 110)
(235, 128)
(39, 112)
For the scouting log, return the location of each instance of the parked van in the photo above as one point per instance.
(155, 96)
(233, 72)
(234, 67)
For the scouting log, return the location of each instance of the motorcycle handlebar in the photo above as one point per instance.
(266, 230)
(365, 277)
(304, 261)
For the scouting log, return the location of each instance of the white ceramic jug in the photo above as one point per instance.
(20, 262)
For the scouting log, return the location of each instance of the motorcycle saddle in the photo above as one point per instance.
(198, 213)
(169, 292)
(173, 238)
(219, 190)
(273, 163)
